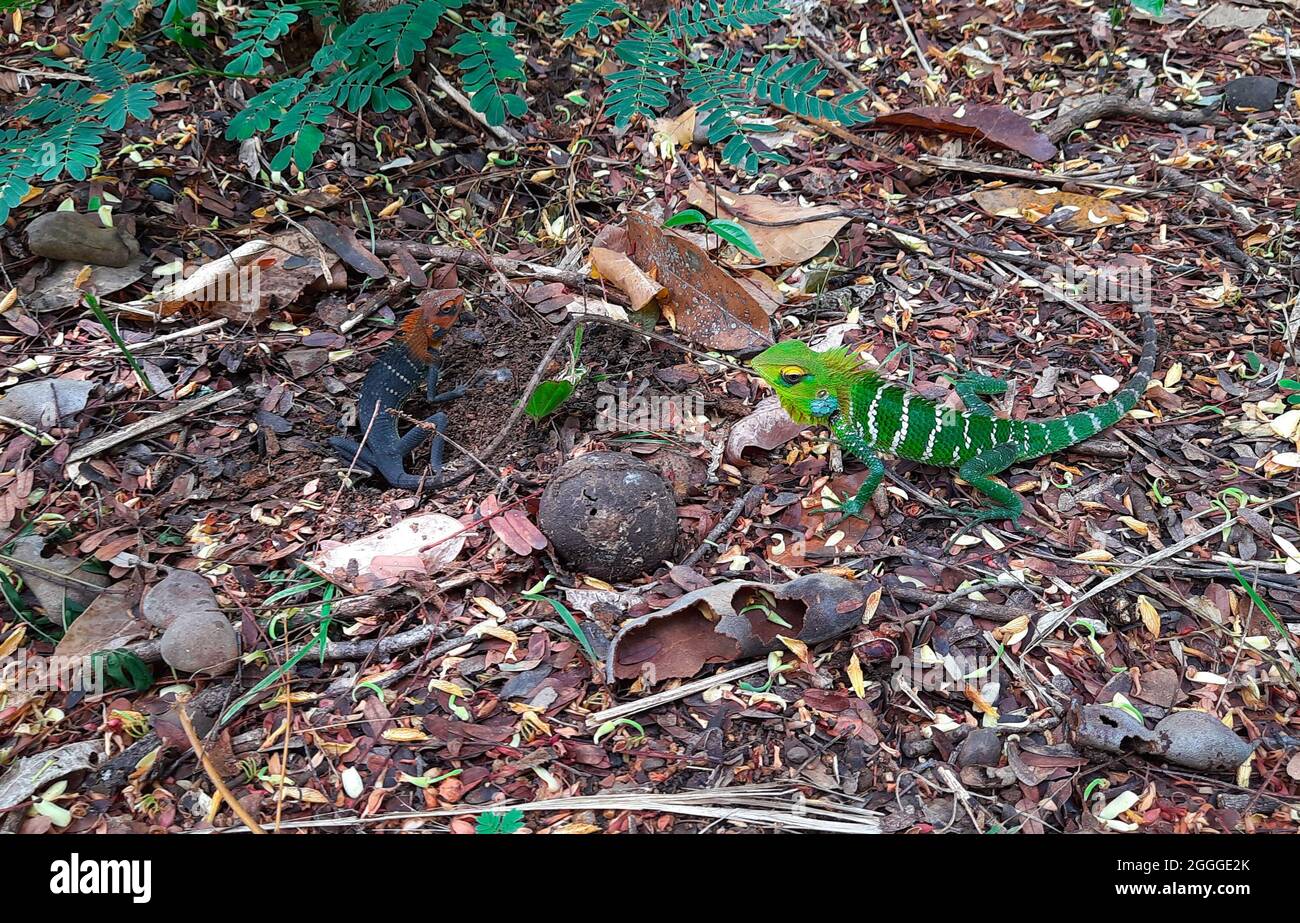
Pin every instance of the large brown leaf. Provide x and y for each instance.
(1033, 205)
(787, 245)
(704, 302)
(995, 124)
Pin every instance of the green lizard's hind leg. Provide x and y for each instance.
(978, 473)
(972, 387)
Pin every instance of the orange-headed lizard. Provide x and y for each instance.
(412, 356)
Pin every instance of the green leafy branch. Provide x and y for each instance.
(729, 95)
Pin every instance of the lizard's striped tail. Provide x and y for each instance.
(1053, 435)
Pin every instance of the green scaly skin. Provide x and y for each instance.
(870, 416)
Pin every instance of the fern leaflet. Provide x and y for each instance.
(698, 19)
(253, 38)
(487, 63)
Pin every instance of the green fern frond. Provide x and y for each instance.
(793, 86)
(255, 35)
(487, 64)
(265, 108)
(724, 102)
(16, 168)
(116, 70)
(113, 18)
(591, 16)
(698, 19)
(56, 103)
(134, 101)
(645, 87)
(412, 27)
(71, 146)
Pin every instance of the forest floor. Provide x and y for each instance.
(1010, 680)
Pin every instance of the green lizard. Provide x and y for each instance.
(869, 415)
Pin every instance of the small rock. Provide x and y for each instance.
(609, 515)
(80, 238)
(1250, 94)
(1198, 740)
(795, 752)
(181, 591)
(982, 747)
(200, 642)
(160, 191)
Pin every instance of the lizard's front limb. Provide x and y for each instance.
(499, 376)
(875, 474)
(972, 388)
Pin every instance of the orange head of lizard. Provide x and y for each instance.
(426, 326)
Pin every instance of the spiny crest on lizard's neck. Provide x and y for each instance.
(811, 386)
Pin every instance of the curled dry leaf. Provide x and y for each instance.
(40, 770)
(47, 402)
(705, 303)
(255, 279)
(995, 124)
(1194, 739)
(107, 624)
(768, 427)
(627, 275)
(1086, 212)
(732, 620)
(784, 245)
(423, 544)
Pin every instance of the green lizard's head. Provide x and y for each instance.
(811, 386)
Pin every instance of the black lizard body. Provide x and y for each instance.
(413, 357)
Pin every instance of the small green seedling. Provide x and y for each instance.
(730, 231)
(549, 395)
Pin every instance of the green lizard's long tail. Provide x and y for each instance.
(1048, 436)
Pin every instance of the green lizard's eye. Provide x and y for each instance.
(792, 375)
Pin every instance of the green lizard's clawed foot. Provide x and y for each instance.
(841, 512)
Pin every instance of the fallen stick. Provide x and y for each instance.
(1053, 620)
(148, 424)
(672, 695)
(1119, 104)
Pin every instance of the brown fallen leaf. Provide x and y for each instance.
(628, 276)
(422, 543)
(787, 245)
(731, 620)
(255, 279)
(107, 624)
(768, 427)
(343, 241)
(1035, 204)
(705, 303)
(513, 527)
(680, 130)
(995, 124)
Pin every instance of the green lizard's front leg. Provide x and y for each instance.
(972, 387)
(854, 506)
